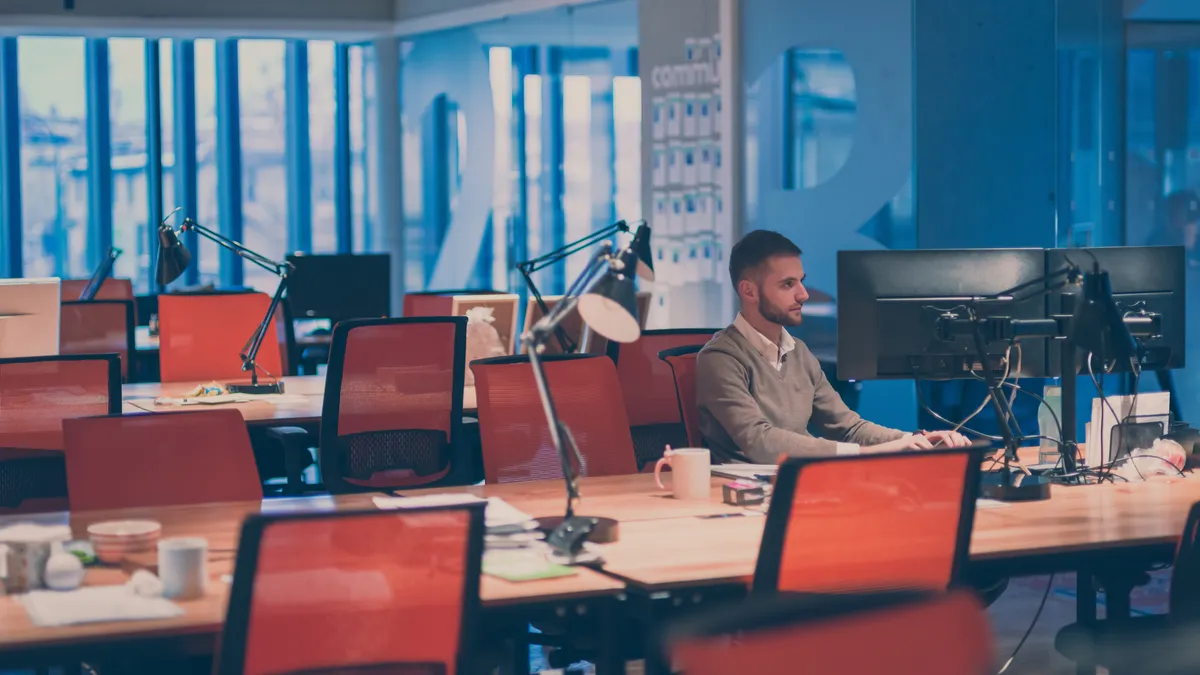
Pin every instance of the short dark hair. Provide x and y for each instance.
(756, 248)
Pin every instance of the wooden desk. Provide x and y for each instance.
(627, 498)
(306, 397)
(21, 641)
(1075, 525)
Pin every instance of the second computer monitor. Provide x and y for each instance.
(1149, 278)
(340, 287)
(889, 304)
(29, 317)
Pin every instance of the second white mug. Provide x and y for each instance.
(182, 566)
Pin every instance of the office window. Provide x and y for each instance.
(264, 168)
(363, 151)
(563, 161)
(131, 206)
(577, 165)
(207, 213)
(53, 97)
(500, 67)
(627, 147)
(167, 103)
(321, 111)
(532, 108)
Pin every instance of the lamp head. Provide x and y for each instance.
(610, 306)
(1098, 326)
(173, 256)
(645, 258)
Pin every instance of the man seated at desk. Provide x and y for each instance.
(758, 389)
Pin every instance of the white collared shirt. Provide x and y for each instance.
(774, 353)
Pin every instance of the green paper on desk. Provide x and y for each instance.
(524, 567)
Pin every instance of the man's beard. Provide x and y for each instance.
(774, 314)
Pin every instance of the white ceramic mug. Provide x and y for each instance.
(689, 472)
(182, 567)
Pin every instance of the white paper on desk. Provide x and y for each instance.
(1151, 407)
(990, 504)
(499, 513)
(92, 604)
(736, 470)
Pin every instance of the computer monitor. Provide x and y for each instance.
(1149, 278)
(889, 303)
(339, 287)
(102, 271)
(29, 317)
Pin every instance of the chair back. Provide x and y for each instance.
(354, 592)
(870, 522)
(159, 459)
(512, 423)
(202, 335)
(36, 395)
(649, 389)
(98, 327)
(392, 414)
(931, 634)
(111, 288)
(1185, 573)
(682, 364)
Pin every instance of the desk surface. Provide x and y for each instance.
(664, 543)
(220, 525)
(658, 554)
(302, 404)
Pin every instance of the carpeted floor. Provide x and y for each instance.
(1011, 614)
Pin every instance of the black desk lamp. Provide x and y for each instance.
(173, 259)
(605, 296)
(640, 246)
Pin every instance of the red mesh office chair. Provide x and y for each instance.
(1148, 643)
(354, 592)
(896, 632)
(98, 327)
(870, 522)
(512, 424)
(648, 386)
(36, 395)
(392, 415)
(200, 336)
(682, 364)
(159, 459)
(111, 289)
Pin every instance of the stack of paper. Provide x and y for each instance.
(737, 470)
(500, 517)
